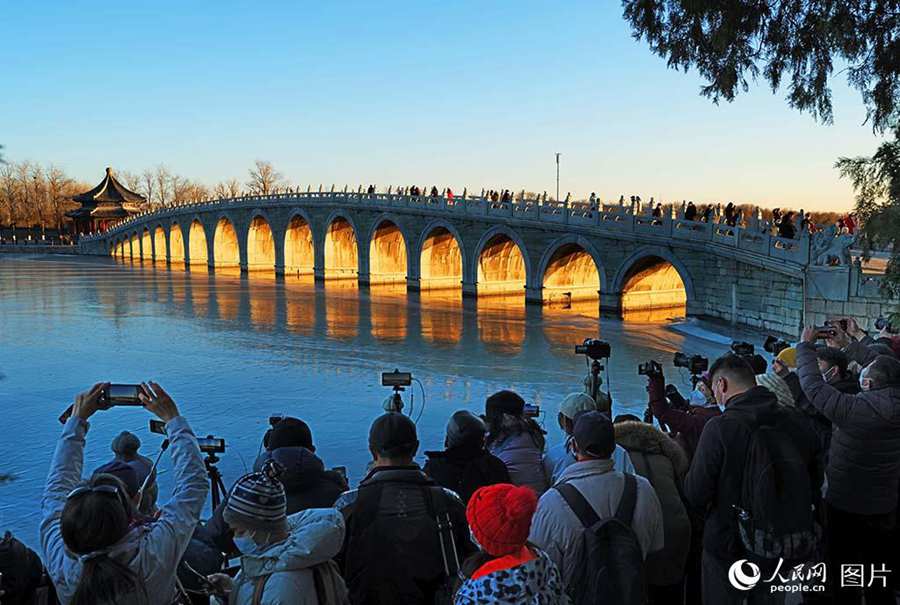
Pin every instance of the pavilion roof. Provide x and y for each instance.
(110, 190)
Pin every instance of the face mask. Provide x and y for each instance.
(247, 545)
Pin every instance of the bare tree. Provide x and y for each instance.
(227, 189)
(59, 189)
(163, 180)
(264, 179)
(148, 186)
(9, 195)
(132, 180)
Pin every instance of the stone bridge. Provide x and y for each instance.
(547, 251)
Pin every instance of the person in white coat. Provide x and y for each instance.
(283, 559)
(95, 548)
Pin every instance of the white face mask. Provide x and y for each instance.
(247, 545)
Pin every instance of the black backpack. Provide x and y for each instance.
(610, 562)
(775, 514)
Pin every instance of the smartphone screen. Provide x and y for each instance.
(124, 394)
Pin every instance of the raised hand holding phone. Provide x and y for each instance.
(158, 401)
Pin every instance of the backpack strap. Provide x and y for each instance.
(625, 510)
(258, 589)
(578, 503)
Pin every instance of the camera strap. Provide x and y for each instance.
(437, 501)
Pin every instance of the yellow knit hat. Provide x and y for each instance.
(788, 357)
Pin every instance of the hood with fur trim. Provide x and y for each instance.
(647, 438)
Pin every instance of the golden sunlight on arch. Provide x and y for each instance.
(387, 255)
(571, 275)
(159, 245)
(341, 256)
(501, 267)
(146, 245)
(198, 248)
(654, 290)
(260, 246)
(225, 245)
(440, 261)
(299, 255)
(176, 244)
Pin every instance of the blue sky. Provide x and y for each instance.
(477, 94)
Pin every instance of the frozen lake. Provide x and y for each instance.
(234, 350)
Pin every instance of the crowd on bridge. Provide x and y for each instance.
(774, 476)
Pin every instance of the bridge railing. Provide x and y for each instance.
(603, 218)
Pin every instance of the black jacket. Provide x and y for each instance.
(716, 474)
(864, 461)
(465, 469)
(306, 484)
(392, 553)
(22, 571)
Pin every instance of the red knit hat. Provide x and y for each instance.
(500, 517)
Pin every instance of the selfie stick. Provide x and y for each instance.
(162, 449)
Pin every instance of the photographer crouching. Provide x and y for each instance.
(683, 421)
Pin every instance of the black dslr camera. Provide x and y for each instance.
(775, 345)
(649, 369)
(695, 364)
(593, 348)
(744, 349)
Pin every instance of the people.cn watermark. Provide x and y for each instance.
(745, 575)
(803, 577)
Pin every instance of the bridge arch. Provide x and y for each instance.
(134, 246)
(501, 264)
(176, 243)
(653, 278)
(571, 269)
(441, 256)
(226, 249)
(389, 255)
(160, 248)
(299, 245)
(341, 246)
(197, 245)
(146, 244)
(260, 243)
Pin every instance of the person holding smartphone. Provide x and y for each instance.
(93, 551)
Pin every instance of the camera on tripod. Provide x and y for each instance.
(744, 349)
(593, 348)
(695, 364)
(775, 345)
(397, 380)
(650, 369)
(210, 446)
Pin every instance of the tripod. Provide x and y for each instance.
(215, 479)
(394, 403)
(596, 368)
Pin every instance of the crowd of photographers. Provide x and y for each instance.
(763, 469)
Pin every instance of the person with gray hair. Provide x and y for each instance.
(562, 455)
(465, 465)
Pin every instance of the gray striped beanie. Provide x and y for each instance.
(257, 500)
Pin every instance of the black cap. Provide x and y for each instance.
(290, 432)
(123, 472)
(393, 433)
(507, 402)
(594, 434)
(464, 428)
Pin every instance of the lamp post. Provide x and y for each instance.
(557, 176)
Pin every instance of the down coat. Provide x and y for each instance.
(659, 459)
(864, 462)
(317, 535)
